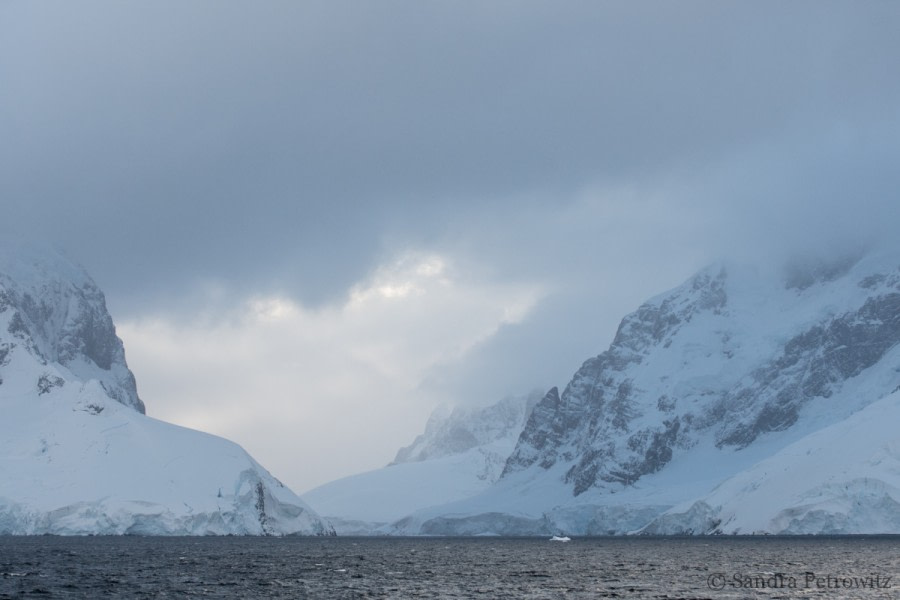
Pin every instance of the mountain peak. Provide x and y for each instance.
(51, 309)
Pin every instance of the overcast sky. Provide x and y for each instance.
(314, 221)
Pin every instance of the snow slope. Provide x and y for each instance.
(461, 453)
(77, 454)
(711, 382)
(842, 479)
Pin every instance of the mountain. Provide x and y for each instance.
(457, 431)
(462, 452)
(745, 400)
(77, 453)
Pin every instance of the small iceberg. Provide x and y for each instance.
(560, 538)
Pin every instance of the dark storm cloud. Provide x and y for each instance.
(254, 143)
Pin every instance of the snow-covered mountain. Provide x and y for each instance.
(744, 400)
(458, 430)
(77, 453)
(462, 452)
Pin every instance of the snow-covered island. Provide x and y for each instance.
(77, 453)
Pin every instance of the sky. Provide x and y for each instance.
(316, 221)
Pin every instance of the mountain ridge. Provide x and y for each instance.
(700, 384)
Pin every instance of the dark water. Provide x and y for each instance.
(717, 568)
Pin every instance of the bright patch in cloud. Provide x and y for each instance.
(314, 394)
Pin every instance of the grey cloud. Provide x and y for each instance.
(259, 143)
(600, 150)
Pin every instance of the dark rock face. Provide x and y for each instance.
(60, 317)
(810, 365)
(5, 349)
(47, 382)
(69, 322)
(260, 506)
(589, 425)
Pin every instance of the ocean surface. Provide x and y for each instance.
(250, 567)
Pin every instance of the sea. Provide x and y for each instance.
(717, 568)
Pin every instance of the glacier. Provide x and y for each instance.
(461, 453)
(79, 456)
(750, 399)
